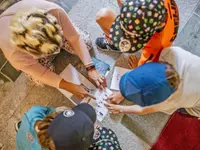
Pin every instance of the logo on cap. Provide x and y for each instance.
(125, 45)
(97, 134)
(68, 113)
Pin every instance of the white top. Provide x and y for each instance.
(188, 94)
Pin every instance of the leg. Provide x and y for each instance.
(105, 17)
(17, 126)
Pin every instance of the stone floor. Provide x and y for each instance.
(18, 97)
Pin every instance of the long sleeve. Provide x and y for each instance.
(29, 65)
(71, 35)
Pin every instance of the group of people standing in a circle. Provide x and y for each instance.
(164, 79)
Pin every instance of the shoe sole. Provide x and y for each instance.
(17, 126)
(107, 50)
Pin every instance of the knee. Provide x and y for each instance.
(104, 14)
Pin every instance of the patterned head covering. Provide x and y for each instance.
(105, 139)
(137, 22)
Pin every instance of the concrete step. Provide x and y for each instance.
(65, 4)
(128, 140)
(146, 127)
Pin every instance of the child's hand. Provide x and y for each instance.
(119, 109)
(78, 90)
(114, 109)
(97, 78)
(115, 98)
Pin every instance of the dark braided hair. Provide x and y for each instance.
(42, 126)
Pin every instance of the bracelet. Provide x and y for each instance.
(89, 64)
(90, 68)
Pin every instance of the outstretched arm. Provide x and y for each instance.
(30, 66)
(78, 45)
(136, 109)
(71, 35)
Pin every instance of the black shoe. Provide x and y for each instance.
(104, 45)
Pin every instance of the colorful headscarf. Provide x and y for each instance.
(137, 22)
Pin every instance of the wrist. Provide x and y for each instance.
(145, 110)
(90, 67)
(136, 109)
(65, 85)
(149, 109)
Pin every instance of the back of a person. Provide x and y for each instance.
(46, 128)
(187, 65)
(26, 138)
(165, 37)
(29, 136)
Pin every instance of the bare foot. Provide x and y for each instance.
(115, 98)
(133, 61)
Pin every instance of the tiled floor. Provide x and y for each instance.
(17, 98)
(190, 35)
(66, 4)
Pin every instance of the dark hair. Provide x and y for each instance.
(42, 125)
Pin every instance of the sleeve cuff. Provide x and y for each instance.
(58, 83)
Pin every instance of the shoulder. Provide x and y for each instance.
(21, 60)
(57, 12)
(169, 52)
(40, 111)
(60, 15)
(36, 113)
(177, 57)
(26, 135)
(173, 53)
(33, 114)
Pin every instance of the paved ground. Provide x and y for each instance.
(19, 97)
